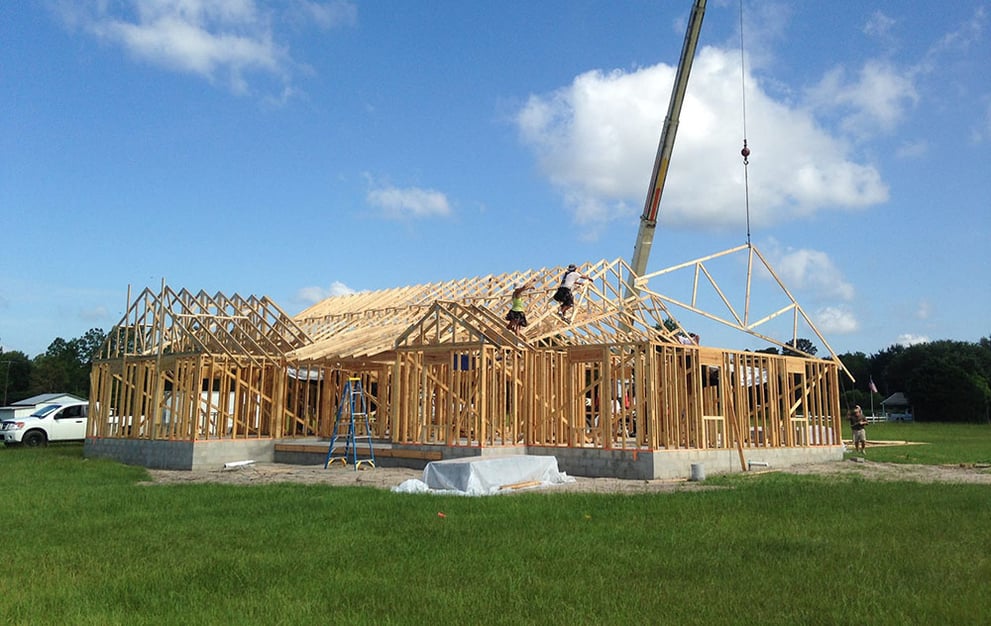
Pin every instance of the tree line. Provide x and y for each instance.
(945, 381)
(63, 368)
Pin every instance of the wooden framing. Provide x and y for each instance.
(441, 368)
(183, 366)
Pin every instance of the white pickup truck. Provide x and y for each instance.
(54, 422)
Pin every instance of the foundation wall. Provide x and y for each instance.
(674, 464)
(590, 462)
(179, 455)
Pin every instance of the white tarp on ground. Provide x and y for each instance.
(478, 477)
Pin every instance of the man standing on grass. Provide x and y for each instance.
(858, 424)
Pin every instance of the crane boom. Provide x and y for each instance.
(648, 220)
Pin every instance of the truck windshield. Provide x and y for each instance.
(42, 412)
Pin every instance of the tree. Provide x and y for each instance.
(879, 369)
(89, 344)
(65, 366)
(669, 325)
(52, 369)
(15, 374)
(796, 347)
(944, 380)
(859, 366)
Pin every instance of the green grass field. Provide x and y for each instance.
(940, 443)
(87, 543)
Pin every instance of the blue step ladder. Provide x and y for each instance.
(353, 407)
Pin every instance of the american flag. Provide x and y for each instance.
(872, 386)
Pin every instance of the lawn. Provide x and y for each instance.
(88, 542)
(935, 443)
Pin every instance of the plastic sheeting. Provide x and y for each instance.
(478, 477)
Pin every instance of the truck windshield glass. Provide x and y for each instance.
(42, 412)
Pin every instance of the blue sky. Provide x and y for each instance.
(300, 149)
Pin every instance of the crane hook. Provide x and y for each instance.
(745, 152)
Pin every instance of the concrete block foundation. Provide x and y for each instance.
(590, 462)
(671, 464)
(180, 455)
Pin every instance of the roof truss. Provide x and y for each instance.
(175, 322)
(367, 325)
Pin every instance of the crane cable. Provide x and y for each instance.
(746, 151)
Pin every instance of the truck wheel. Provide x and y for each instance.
(34, 439)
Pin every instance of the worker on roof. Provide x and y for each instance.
(564, 294)
(516, 317)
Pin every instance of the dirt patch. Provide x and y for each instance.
(962, 473)
(386, 478)
(389, 477)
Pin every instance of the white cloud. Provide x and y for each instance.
(811, 270)
(924, 310)
(312, 295)
(876, 100)
(908, 339)
(879, 25)
(836, 320)
(222, 40)
(596, 140)
(962, 41)
(413, 202)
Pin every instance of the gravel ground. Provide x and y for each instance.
(390, 477)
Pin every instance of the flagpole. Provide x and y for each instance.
(872, 389)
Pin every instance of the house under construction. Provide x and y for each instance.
(191, 380)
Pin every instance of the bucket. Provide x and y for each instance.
(698, 472)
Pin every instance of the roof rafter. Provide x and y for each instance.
(366, 325)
